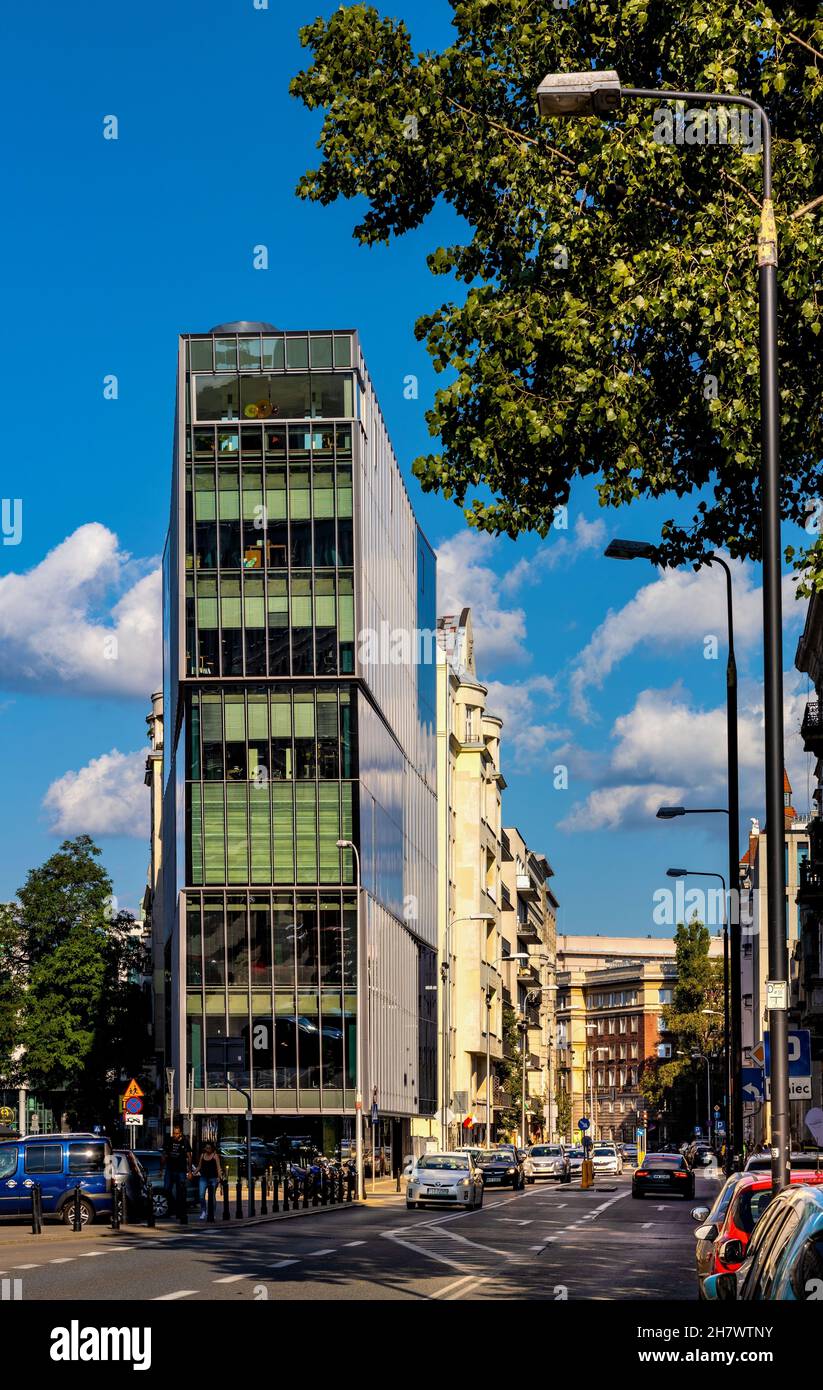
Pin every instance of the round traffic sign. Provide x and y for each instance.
(134, 1105)
(583, 1123)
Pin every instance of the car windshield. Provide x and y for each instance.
(442, 1162)
(486, 1158)
(575, 1153)
(601, 1151)
(547, 1151)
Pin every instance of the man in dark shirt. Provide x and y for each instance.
(176, 1163)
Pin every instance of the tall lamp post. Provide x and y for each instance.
(600, 94)
(633, 550)
(358, 1080)
(732, 1082)
(489, 993)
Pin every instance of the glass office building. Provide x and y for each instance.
(299, 619)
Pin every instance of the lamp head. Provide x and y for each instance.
(629, 550)
(669, 812)
(676, 873)
(579, 93)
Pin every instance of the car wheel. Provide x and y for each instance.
(86, 1213)
(531, 1182)
(410, 1206)
(479, 1202)
(160, 1202)
(637, 1195)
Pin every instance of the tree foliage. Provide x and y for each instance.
(75, 1005)
(610, 326)
(690, 1030)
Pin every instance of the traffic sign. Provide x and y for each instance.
(583, 1123)
(800, 1064)
(132, 1090)
(752, 1085)
(134, 1105)
(133, 1119)
(759, 1054)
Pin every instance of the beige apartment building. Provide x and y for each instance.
(529, 927)
(472, 947)
(610, 997)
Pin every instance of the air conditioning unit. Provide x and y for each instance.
(664, 1050)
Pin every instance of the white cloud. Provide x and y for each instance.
(678, 607)
(106, 797)
(465, 579)
(588, 535)
(620, 807)
(522, 705)
(85, 619)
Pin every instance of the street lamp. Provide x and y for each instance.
(487, 917)
(358, 1080)
(732, 1079)
(632, 550)
(582, 93)
(519, 955)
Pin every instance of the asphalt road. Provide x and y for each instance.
(548, 1243)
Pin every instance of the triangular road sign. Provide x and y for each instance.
(759, 1054)
(132, 1090)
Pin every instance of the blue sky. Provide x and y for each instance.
(115, 248)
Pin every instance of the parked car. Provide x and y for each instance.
(576, 1154)
(725, 1231)
(784, 1257)
(700, 1155)
(550, 1161)
(500, 1168)
(58, 1163)
(524, 1156)
(445, 1179)
(799, 1163)
(606, 1159)
(150, 1161)
(663, 1173)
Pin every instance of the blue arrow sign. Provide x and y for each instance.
(583, 1123)
(752, 1085)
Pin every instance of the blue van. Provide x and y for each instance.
(58, 1162)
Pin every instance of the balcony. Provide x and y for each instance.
(526, 888)
(811, 729)
(811, 885)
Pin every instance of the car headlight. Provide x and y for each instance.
(466, 1182)
(510, 1171)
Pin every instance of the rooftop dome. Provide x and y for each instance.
(242, 326)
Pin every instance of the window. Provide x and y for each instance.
(8, 1161)
(664, 996)
(44, 1158)
(87, 1158)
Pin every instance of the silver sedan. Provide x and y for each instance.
(445, 1179)
(549, 1161)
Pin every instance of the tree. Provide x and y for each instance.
(609, 328)
(563, 1104)
(80, 1012)
(699, 986)
(10, 991)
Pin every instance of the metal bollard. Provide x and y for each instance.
(275, 1192)
(315, 1184)
(210, 1202)
(264, 1194)
(306, 1185)
(340, 1195)
(77, 1224)
(115, 1206)
(238, 1201)
(295, 1192)
(226, 1208)
(324, 1188)
(252, 1209)
(36, 1210)
(149, 1204)
(350, 1186)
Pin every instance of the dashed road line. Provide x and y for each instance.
(179, 1293)
(449, 1288)
(231, 1278)
(281, 1264)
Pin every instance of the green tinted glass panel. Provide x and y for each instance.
(260, 832)
(249, 349)
(321, 352)
(303, 715)
(346, 608)
(212, 719)
(228, 481)
(306, 832)
(204, 504)
(280, 716)
(273, 354)
(299, 496)
(196, 834)
(278, 603)
(326, 714)
(252, 494)
(254, 604)
(324, 614)
(342, 352)
(323, 492)
(200, 356)
(207, 612)
(276, 493)
(329, 825)
(283, 826)
(297, 352)
(237, 833)
(344, 492)
(258, 717)
(214, 833)
(235, 719)
(301, 603)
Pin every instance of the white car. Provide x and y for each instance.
(550, 1161)
(606, 1159)
(575, 1156)
(446, 1179)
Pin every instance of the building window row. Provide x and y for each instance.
(227, 396)
(269, 352)
(275, 733)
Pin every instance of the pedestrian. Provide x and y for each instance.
(209, 1171)
(176, 1165)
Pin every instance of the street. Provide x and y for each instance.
(549, 1242)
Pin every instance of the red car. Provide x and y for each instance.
(725, 1231)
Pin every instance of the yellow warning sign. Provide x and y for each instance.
(132, 1090)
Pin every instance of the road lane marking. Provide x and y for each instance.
(467, 1288)
(231, 1278)
(64, 1260)
(441, 1293)
(26, 1266)
(513, 1221)
(430, 1254)
(477, 1245)
(349, 1243)
(310, 1253)
(281, 1264)
(168, 1297)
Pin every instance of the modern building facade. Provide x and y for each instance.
(809, 946)
(299, 711)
